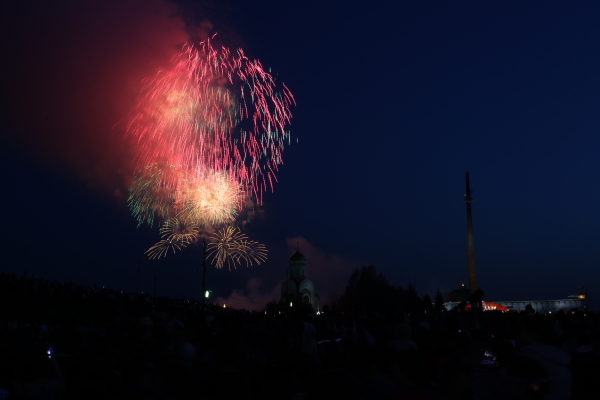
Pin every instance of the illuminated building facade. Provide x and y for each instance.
(579, 301)
(462, 294)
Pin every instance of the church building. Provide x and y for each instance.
(297, 287)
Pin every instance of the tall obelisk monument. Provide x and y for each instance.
(470, 243)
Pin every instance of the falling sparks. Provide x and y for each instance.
(229, 244)
(161, 249)
(224, 244)
(250, 252)
(209, 134)
(179, 230)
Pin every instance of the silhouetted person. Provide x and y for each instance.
(476, 300)
(535, 344)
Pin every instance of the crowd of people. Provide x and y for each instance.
(68, 341)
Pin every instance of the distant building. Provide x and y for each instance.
(462, 294)
(544, 306)
(297, 287)
(579, 301)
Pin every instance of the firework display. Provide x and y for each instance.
(161, 249)
(179, 230)
(209, 135)
(151, 195)
(250, 252)
(210, 199)
(229, 244)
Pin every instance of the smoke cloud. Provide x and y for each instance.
(76, 71)
(254, 297)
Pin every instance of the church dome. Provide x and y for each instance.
(297, 256)
(458, 295)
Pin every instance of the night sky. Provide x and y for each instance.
(394, 103)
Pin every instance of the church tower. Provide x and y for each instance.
(297, 268)
(297, 287)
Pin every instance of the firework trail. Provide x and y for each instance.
(176, 234)
(179, 230)
(210, 134)
(224, 244)
(151, 195)
(229, 244)
(161, 249)
(250, 252)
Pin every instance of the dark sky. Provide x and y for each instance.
(395, 101)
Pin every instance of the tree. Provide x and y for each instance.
(413, 302)
(273, 307)
(438, 306)
(427, 303)
(369, 292)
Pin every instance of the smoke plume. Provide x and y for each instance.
(76, 70)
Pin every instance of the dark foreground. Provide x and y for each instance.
(113, 345)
